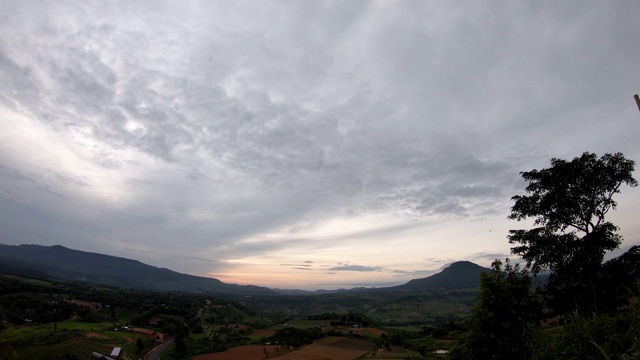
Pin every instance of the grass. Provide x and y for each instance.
(73, 337)
(26, 280)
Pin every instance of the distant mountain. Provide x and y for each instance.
(459, 275)
(63, 263)
(59, 262)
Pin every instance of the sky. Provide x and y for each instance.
(303, 144)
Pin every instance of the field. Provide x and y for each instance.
(317, 351)
(331, 347)
(73, 337)
(247, 352)
(335, 348)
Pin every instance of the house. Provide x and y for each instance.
(88, 305)
(115, 352)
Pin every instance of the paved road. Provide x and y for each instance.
(155, 353)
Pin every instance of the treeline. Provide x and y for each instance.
(39, 302)
(349, 319)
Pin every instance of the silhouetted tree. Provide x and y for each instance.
(620, 280)
(568, 203)
(499, 324)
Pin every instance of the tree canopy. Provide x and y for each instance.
(568, 203)
(499, 324)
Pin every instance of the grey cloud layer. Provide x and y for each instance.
(261, 119)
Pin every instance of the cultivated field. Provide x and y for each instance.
(335, 348)
(338, 349)
(248, 352)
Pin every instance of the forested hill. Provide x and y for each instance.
(459, 275)
(59, 262)
(63, 263)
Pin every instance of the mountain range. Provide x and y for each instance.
(61, 263)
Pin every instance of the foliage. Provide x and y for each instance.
(296, 337)
(568, 203)
(595, 337)
(619, 278)
(499, 325)
(349, 318)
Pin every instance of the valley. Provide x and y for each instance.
(48, 313)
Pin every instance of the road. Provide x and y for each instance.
(155, 353)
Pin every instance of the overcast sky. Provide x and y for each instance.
(303, 144)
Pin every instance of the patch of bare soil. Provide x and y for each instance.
(317, 351)
(346, 343)
(96, 335)
(150, 334)
(248, 352)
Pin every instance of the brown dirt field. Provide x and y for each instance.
(128, 339)
(248, 352)
(141, 331)
(317, 351)
(346, 343)
(263, 332)
(96, 335)
(369, 330)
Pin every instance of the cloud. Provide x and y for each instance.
(301, 268)
(304, 131)
(358, 268)
(488, 256)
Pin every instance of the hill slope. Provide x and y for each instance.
(63, 263)
(459, 275)
(68, 264)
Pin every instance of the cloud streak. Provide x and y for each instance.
(358, 268)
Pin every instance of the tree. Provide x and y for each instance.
(499, 324)
(621, 281)
(568, 203)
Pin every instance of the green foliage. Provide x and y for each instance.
(349, 318)
(229, 313)
(296, 337)
(596, 337)
(619, 280)
(412, 340)
(568, 203)
(499, 325)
